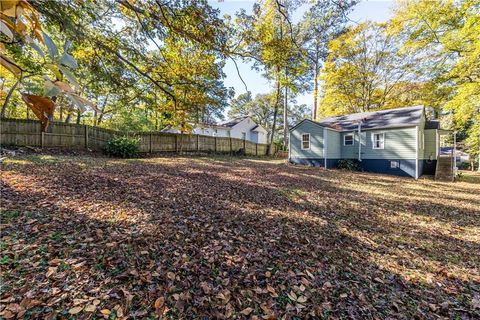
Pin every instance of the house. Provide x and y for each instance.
(460, 156)
(396, 141)
(244, 128)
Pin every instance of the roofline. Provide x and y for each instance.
(314, 122)
(362, 129)
(212, 126)
(259, 125)
(383, 110)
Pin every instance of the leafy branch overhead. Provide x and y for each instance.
(55, 68)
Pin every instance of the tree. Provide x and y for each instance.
(324, 21)
(266, 37)
(446, 35)
(21, 36)
(261, 111)
(161, 63)
(365, 71)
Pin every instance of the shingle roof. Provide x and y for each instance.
(231, 123)
(401, 117)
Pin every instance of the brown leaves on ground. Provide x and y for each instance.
(212, 237)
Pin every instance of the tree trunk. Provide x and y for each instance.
(315, 92)
(7, 98)
(69, 117)
(79, 116)
(478, 164)
(275, 113)
(285, 115)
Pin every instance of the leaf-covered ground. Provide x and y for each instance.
(215, 238)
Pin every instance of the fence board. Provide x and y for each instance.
(25, 132)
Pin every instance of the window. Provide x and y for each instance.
(378, 140)
(306, 141)
(348, 140)
(395, 164)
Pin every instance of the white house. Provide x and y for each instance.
(240, 128)
(460, 156)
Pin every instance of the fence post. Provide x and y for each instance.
(176, 143)
(150, 143)
(231, 148)
(42, 139)
(245, 146)
(198, 143)
(215, 142)
(256, 149)
(86, 136)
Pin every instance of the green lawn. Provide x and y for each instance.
(220, 238)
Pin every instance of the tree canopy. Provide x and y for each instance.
(144, 65)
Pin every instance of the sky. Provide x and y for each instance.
(374, 10)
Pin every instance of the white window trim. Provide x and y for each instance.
(309, 142)
(373, 140)
(353, 140)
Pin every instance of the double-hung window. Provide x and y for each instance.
(305, 141)
(348, 140)
(378, 140)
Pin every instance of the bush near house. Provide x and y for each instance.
(348, 164)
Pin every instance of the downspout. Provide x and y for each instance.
(359, 141)
(416, 153)
(325, 134)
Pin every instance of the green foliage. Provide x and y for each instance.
(122, 147)
(365, 71)
(446, 37)
(464, 166)
(348, 164)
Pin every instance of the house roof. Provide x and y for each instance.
(391, 118)
(258, 128)
(401, 117)
(232, 122)
(448, 151)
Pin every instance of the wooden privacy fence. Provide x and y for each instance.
(22, 132)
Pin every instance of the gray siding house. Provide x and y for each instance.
(396, 141)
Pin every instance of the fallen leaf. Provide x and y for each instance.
(90, 308)
(75, 310)
(105, 312)
(246, 311)
(159, 302)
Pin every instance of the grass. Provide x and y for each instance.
(230, 238)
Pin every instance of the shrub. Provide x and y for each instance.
(464, 166)
(348, 164)
(122, 146)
